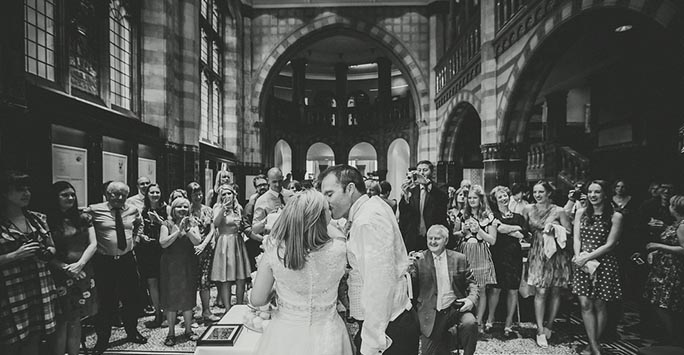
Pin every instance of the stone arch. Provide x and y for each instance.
(512, 118)
(319, 28)
(453, 122)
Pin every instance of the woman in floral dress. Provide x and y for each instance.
(204, 218)
(28, 296)
(479, 232)
(546, 272)
(74, 238)
(596, 231)
(665, 284)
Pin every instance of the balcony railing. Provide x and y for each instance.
(283, 112)
(506, 10)
(462, 55)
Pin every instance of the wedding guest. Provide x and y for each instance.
(28, 296)
(177, 193)
(447, 295)
(455, 213)
(506, 255)
(138, 200)
(223, 177)
(294, 186)
(547, 273)
(230, 265)
(372, 188)
(270, 202)
(665, 284)
(652, 218)
(204, 218)
(117, 229)
(378, 288)
(479, 233)
(518, 203)
(421, 206)
(253, 244)
(597, 230)
(179, 268)
(148, 251)
(74, 238)
(305, 257)
(385, 189)
(465, 183)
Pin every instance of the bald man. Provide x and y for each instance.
(271, 201)
(117, 227)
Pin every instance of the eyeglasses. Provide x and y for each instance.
(118, 194)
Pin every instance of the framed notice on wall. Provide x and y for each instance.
(114, 167)
(147, 167)
(70, 164)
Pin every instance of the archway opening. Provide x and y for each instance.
(398, 160)
(364, 157)
(599, 99)
(319, 156)
(283, 156)
(461, 154)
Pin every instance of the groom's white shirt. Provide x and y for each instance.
(378, 289)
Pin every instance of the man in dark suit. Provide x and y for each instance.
(422, 205)
(447, 294)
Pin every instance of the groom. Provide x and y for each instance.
(378, 288)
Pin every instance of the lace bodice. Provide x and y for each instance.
(310, 294)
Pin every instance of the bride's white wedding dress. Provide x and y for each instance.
(306, 320)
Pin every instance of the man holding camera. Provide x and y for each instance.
(446, 297)
(422, 205)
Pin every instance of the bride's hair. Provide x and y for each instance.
(301, 228)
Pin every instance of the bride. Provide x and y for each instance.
(306, 259)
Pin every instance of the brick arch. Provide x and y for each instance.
(513, 117)
(452, 124)
(325, 25)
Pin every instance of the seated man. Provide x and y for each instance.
(447, 293)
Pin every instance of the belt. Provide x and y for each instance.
(116, 257)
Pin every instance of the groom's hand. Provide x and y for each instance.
(467, 304)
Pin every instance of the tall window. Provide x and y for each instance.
(39, 38)
(119, 55)
(211, 56)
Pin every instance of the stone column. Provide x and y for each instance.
(495, 161)
(298, 161)
(517, 156)
(556, 117)
(298, 80)
(341, 70)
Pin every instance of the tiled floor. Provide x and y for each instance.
(569, 337)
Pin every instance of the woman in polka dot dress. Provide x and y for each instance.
(596, 232)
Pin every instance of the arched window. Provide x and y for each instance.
(120, 57)
(211, 57)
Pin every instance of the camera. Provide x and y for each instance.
(577, 192)
(43, 253)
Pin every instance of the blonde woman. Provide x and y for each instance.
(231, 263)
(479, 232)
(178, 267)
(223, 177)
(307, 257)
